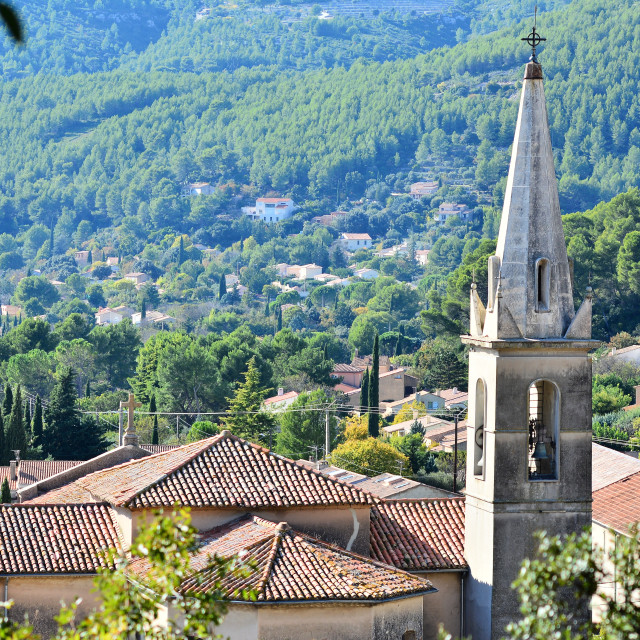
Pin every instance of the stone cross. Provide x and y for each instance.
(130, 435)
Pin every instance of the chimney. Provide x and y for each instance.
(455, 390)
(13, 471)
(355, 354)
(637, 388)
(280, 391)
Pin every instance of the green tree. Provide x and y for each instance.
(7, 402)
(374, 391)
(441, 366)
(364, 391)
(222, 286)
(303, 425)
(155, 436)
(66, 435)
(16, 435)
(36, 423)
(246, 417)
(5, 492)
(32, 370)
(35, 287)
(116, 347)
(369, 456)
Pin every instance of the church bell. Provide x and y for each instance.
(540, 452)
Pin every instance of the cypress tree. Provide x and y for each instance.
(155, 436)
(5, 492)
(364, 392)
(181, 256)
(16, 434)
(104, 258)
(7, 403)
(4, 452)
(266, 307)
(26, 421)
(87, 390)
(278, 319)
(51, 245)
(143, 309)
(374, 391)
(67, 436)
(36, 424)
(222, 286)
(399, 344)
(90, 257)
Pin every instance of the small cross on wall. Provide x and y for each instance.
(131, 405)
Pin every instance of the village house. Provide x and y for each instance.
(280, 401)
(329, 219)
(124, 311)
(271, 210)
(365, 273)
(454, 398)
(431, 401)
(452, 210)
(137, 277)
(422, 256)
(81, 258)
(106, 315)
(626, 354)
(11, 310)
(198, 189)
(113, 261)
(352, 242)
(152, 317)
(423, 189)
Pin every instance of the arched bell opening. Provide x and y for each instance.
(478, 425)
(544, 410)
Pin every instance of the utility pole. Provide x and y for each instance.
(455, 453)
(120, 425)
(327, 434)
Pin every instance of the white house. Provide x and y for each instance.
(452, 210)
(198, 189)
(108, 316)
(422, 255)
(355, 241)
(366, 274)
(628, 354)
(10, 310)
(152, 317)
(310, 271)
(137, 277)
(281, 401)
(271, 210)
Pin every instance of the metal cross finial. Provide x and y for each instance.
(534, 38)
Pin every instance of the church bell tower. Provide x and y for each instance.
(529, 424)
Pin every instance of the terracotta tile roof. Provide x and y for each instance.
(386, 485)
(55, 538)
(292, 566)
(280, 398)
(71, 493)
(618, 504)
(419, 535)
(159, 448)
(347, 389)
(454, 395)
(341, 367)
(608, 466)
(31, 471)
(223, 471)
(615, 352)
(356, 236)
(5, 472)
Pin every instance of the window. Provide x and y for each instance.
(542, 284)
(479, 433)
(543, 409)
(429, 405)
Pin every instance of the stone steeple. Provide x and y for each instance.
(531, 267)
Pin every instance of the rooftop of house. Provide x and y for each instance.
(386, 485)
(346, 388)
(274, 200)
(291, 566)
(134, 274)
(453, 396)
(616, 505)
(159, 448)
(609, 466)
(617, 352)
(197, 185)
(218, 472)
(356, 236)
(341, 367)
(419, 535)
(30, 471)
(428, 422)
(366, 361)
(45, 539)
(281, 397)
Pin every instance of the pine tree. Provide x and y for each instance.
(87, 390)
(364, 392)
(246, 418)
(7, 403)
(67, 436)
(16, 436)
(36, 424)
(181, 254)
(5, 492)
(374, 391)
(222, 286)
(155, 437)
(4, 451)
